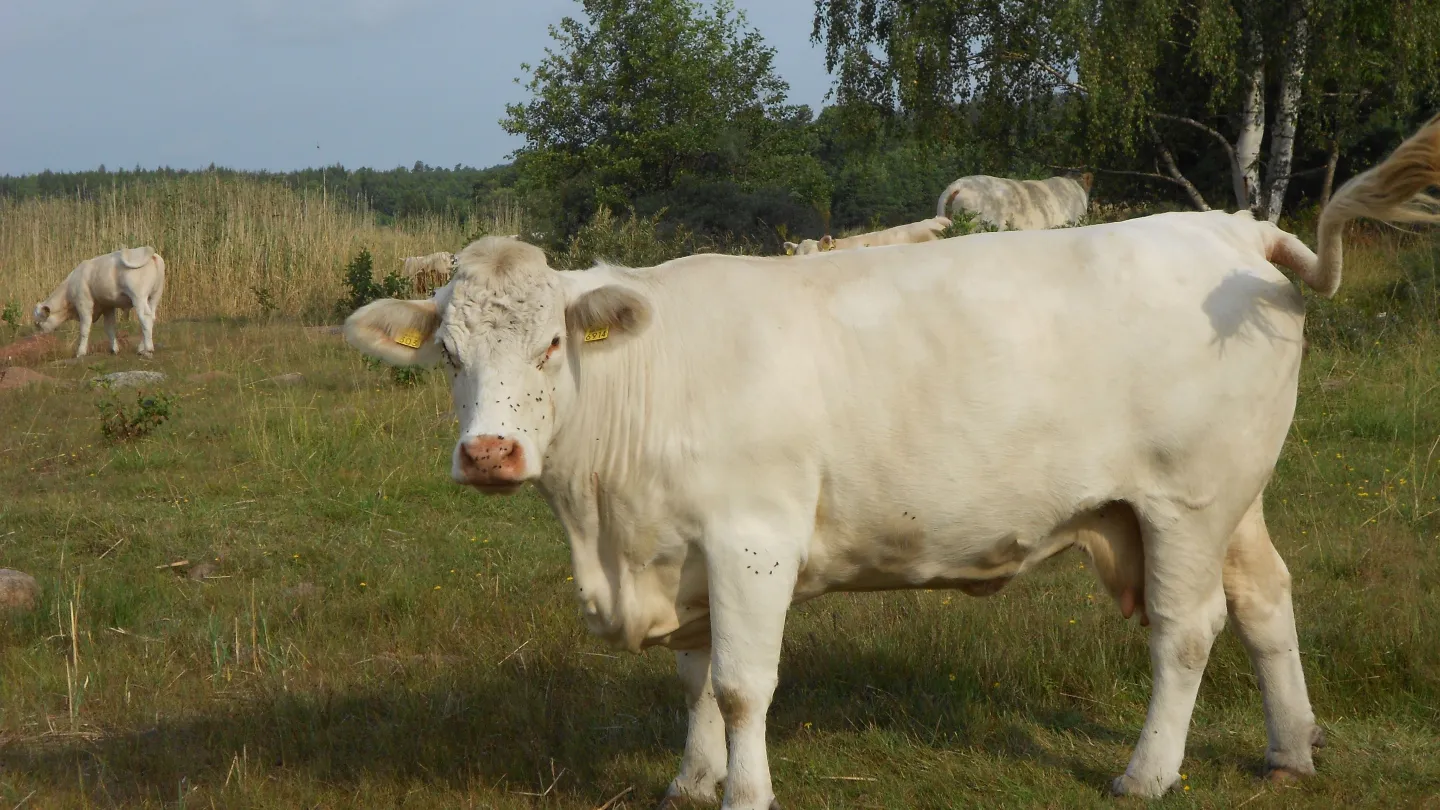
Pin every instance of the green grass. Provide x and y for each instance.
(444, 663)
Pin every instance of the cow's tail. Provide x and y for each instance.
(1397, 190)
(946, 200)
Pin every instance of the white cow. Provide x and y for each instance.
(128, 278)
(1019, 205)
(926, 230)
(723, 436)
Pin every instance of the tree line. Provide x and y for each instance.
(672, 110)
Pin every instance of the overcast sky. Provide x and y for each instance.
(259, 84)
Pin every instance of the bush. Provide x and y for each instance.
(964, 223)
(361, 287)
(634, 242)
(403, 376)
(11, 315)
(265, 300)
(119, 422)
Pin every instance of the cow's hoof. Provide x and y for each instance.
(1317, 737)
(1127, 785)
(679, 799)
(1284, 776)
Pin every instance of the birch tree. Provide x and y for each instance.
(1239, 74)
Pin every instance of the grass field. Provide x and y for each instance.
(371, 635)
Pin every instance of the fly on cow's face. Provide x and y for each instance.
(448, 354)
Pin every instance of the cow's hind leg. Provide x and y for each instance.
(1257, 592)
(703, 767)
(146, 315)
(110, 332)
(1185, 602)
(752, 570)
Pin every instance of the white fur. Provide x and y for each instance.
(1019, 205)
(926, 230)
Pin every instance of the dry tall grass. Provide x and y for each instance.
(222, 239)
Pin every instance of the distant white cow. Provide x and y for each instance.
(427, 272)
(1019, 205)
(926, 230)
(723, 436)
(128, 278)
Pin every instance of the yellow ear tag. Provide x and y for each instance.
(410, 337)
(592, 335)
(789, 251)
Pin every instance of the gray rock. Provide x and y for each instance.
(128, 379)
(18, 591)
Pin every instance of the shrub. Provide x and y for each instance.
(11, 315)
(120, 422)
(634, 242)
(403, 376)
(964, 223)
(360, 285)
(265, 300)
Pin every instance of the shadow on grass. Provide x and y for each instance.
(517, 726)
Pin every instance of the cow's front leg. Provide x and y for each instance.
(752, 580)
(85, 315)
(703, 767)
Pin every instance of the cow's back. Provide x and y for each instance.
(946, 394)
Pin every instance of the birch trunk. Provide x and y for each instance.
(1252, 114)
(1292, 78)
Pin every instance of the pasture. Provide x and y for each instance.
(366, 633)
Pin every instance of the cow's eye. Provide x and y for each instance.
(555, 342)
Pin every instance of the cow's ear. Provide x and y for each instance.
(606, 312)
(790, 248)
(400, 333)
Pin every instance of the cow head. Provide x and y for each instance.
(804, 248)
(47, 319)
(507, 329)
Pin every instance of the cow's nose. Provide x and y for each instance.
(492, 461)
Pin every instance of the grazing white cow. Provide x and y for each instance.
(723, 436)
(128, 278)
(1019, 205)
(427, 272)
(926, 230)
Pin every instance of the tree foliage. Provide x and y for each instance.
(1158, 88)
(644, 99)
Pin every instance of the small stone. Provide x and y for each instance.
(128, 379)
(18, 591)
